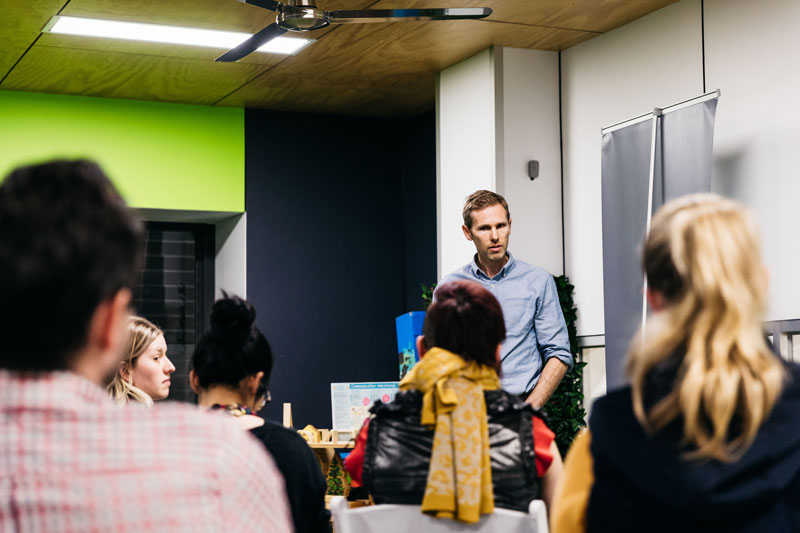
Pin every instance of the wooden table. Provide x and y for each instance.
(325, 451)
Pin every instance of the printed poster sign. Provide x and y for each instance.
(350, 402)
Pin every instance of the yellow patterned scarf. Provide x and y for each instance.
(460, 476)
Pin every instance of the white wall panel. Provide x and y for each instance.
(751, 55)
(654, 61)
(230, 260)
(530, 131)
(495, 112)
(465, 138)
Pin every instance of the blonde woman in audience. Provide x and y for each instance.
(706, 436)
(145, 371)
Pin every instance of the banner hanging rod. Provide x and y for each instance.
(664, 110)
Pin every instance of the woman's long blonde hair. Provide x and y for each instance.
(141, 334)
(702, 256)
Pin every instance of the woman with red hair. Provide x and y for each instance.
(453, 441)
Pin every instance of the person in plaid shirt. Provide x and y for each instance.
(71, 460)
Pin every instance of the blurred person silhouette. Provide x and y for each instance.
(705, 438)
(70, 253)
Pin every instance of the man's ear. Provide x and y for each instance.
(107, 329)
(105, 338)
(194, 381)
(421, 346)
(498, 352)
(467, 232)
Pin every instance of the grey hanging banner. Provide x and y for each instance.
(683, 158)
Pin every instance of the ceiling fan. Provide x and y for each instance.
(302, 16)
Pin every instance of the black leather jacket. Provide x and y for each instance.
(398, 451)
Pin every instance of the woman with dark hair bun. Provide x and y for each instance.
(231, 367)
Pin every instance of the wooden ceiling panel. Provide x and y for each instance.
(121, 46)
(20, 25)
(374, 50)
(367, 69)
(116, 75)
(230, 15)
(403, 95)
(356, 62)
(584, 15)
(207, 14)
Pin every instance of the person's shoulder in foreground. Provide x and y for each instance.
(77, 461)
(758, 492)
(225, 462)
(305, 484)
(70, 255)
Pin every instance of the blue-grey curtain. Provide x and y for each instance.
(683, 158)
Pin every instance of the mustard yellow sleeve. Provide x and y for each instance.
(572, 494)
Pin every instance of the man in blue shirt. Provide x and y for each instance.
(536, 352)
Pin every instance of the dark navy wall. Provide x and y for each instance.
(336, 237)
(419, 205)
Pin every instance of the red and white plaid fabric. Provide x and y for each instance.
(70, 460)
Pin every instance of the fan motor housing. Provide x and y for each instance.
(301, 19)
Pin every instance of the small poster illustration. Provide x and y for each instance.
(350, 402)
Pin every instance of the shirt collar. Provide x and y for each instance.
(478, 273)
(49, 389)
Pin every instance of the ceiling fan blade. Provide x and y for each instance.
(252, 44)
(266, 4)
(396, 15)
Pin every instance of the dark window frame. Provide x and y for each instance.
(204, 251)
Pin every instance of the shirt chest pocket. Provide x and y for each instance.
(518, 313)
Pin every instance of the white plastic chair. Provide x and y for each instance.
(391, 518)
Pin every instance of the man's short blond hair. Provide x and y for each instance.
(480, 200)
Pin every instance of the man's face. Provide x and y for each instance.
(490, 230)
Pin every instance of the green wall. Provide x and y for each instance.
(160, 156)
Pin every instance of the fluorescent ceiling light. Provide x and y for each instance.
(136, 31)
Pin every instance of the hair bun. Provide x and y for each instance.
(232, 318)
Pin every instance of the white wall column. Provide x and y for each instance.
(230, 260)
(495, 112)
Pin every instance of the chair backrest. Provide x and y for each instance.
(391, 518)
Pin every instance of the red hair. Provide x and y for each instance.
(467, 320)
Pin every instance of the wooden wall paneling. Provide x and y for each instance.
(20, 24)
(116, 75)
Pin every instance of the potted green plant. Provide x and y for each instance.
(566, 415)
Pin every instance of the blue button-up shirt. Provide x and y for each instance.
(535, 327)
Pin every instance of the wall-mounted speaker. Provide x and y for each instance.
(533, 169)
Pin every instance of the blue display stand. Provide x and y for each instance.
(409, 327)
